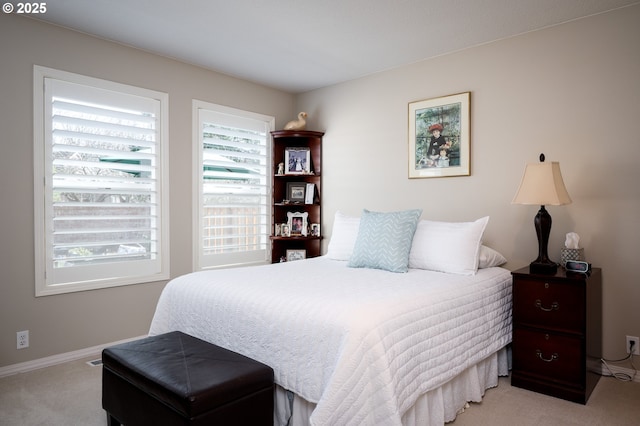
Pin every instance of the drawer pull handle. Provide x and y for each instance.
(554, 306)
(554, 356)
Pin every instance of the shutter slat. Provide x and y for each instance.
(61, 135)
(104, 165)
(210, 130)
(63, 122)
(108, 154)
(103, 112)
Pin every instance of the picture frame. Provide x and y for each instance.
(297, 161)
(296, 192)
(439, 139)
(285, 230)
(295, 254)
(314, 229)
(298, 223)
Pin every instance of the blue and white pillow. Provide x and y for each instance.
(384, 240)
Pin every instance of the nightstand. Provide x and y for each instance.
(557, 332)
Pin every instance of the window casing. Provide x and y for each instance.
(232, 175)
(101, 192)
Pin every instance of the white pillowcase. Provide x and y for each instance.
(345, 233)
(452, 247)
(489, 258)
(343, 236)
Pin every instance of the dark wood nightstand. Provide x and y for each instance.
(557, 333)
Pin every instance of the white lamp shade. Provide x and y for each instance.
(542, 185)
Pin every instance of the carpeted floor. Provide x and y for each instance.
(69, 394)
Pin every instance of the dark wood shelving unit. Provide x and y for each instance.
(283, 139)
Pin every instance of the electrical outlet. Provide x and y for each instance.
(636, 344)
(22, 339)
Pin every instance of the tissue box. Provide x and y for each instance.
(567, 254)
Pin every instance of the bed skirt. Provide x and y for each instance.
(434, 408)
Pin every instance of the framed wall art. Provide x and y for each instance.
(439, 142)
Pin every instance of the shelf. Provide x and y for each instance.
(295, 238)
(297, 134)
(296, 205)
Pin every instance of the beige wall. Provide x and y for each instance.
(571, 91)
(69, 322)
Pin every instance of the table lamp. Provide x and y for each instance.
(542, 185)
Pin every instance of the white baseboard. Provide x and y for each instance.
(620, 370)
(23, 367)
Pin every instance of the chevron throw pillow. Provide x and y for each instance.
(384, 240)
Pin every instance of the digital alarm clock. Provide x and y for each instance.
(577, 266)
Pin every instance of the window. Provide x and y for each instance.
(100, 183)
(232, 164)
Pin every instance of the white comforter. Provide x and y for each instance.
(362, 344)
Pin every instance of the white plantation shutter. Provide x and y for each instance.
(233, 171)
(101, 220)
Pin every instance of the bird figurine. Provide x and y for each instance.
(298, 124)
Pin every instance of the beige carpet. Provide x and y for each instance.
(69, 394)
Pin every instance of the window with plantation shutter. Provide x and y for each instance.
(233, 175)
(100, 183)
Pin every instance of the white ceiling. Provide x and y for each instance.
(300, 45)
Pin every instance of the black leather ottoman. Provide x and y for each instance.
(176, 379)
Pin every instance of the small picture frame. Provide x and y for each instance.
(314, 230)
(285, 230)
(296, 192)
(277, 229)
(297, 223)
(296, 254)
(297, 161)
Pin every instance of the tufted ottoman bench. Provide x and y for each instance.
(176, 379)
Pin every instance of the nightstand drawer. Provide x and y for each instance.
(549, 304)
(548, 355)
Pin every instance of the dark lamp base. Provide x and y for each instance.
(544, 268)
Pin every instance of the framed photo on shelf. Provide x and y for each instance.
(296, 192)
(285, 230)
(296, 255)
(315, 229)
(439, 137)
(297, 161)
(277, 230)
(297, 223)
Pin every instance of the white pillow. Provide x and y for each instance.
(343, 236)
(489, 258)
(452, 247)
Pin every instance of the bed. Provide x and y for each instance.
(356, 344)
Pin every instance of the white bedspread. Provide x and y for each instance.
(362, 344)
